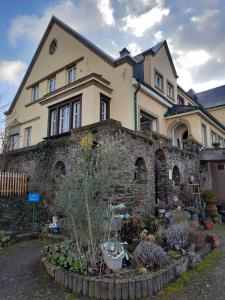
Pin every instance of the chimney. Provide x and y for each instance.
(124, 52)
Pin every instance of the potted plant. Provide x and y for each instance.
(210, 198)
(216, 144)
(208, 223)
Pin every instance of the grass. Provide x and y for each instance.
(178, 285)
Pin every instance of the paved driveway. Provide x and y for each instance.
(22, 276)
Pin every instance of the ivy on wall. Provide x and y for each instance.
(44, 154)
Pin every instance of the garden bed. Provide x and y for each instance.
(138, 286)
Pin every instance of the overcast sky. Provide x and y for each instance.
(194, 30)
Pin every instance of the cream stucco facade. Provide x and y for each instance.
(98, 75)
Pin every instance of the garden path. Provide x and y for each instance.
(208, 284)
(23, 277)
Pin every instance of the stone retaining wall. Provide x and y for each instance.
(140, 144)
(147, 285)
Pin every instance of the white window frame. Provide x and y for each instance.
(170, 90)
(158, 85)
(14, 141)
(52, 84)
(153, 124)
(76, 114)
(35, 93)
(64, 119)
(72, 78)
(104, 107)
(53, 122)
(204, 135)
(27, 136)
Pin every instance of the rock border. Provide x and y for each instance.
(121, 289)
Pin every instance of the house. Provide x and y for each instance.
(71, 84)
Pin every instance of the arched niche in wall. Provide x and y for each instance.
(59, 169)
(140, 170)
(161, 177)
(176, 176)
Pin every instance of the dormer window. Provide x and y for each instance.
(158, 81)
(52, 84)
(71, 75)
(35, 93)
(170, 90)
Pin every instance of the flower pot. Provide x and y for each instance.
(194, 223)
(113, 262)
(208, 225)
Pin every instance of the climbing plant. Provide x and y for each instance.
(43, 154)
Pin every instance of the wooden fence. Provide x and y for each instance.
(12, 183)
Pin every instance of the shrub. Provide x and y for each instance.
(198, 238)
(176, 236)
(150, 255)
(4, 239)
(209, 196)
(151, 223)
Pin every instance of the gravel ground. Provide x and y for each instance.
(23, 277)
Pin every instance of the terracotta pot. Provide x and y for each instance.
(208, 225)
(194, 223)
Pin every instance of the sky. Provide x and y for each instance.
(194, 30)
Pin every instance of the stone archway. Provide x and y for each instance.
(179, 131)
(161, 177)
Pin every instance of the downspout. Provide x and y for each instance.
(135, 107)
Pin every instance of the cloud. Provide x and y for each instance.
(138, 25)
(134, 48)
(79, 15)
(106, 11)
(158, 36)
(11, 72)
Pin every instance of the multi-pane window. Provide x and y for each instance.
(64, 119)
(158, 81)
(53, 122)
(14, 141)
(35, 93)
(147, 121)
(71, 75)
(170, 90)
(214, 137)
(52, 84)
(27, 136)
(76, 115)
(180, 100)
(204, 135)
(104, 108)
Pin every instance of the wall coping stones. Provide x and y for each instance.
(120, 289)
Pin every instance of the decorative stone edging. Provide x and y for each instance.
(121, 289)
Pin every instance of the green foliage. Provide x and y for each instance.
(86, 192)
(6, 218)
(209, 196)
(4, 239)
(174, 254)
(62, 255)
(43, 154)
(151, 223)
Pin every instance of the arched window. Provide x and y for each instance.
(140, 170)
(176, 175)
(59, 169)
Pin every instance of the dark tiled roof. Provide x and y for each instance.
(179, 109)
(213, 97)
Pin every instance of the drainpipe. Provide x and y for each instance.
(135, 107)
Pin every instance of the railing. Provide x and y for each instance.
(12, 183)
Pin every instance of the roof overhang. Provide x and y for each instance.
(199, 112)
(151, 93)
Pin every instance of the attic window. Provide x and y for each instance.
(53, 46)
